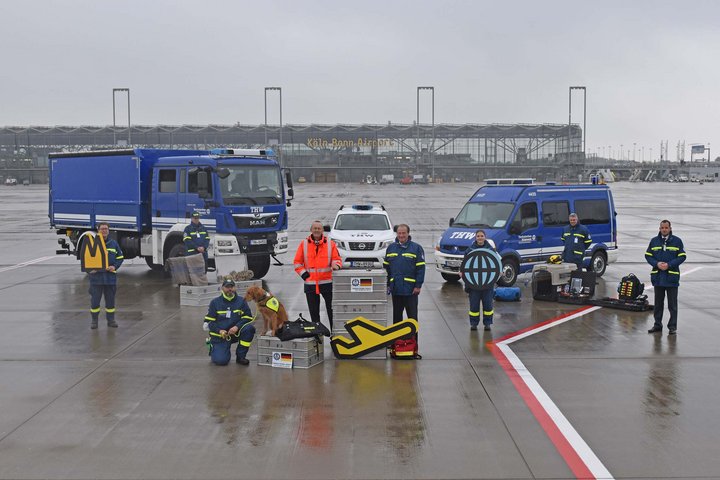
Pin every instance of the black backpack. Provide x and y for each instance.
(630, 288)
(301, 328)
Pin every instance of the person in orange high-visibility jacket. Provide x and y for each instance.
(316, 257)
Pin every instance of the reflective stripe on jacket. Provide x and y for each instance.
(317, 261)
(672, 252)
(195, 236)
(225, 313)
(405, 265)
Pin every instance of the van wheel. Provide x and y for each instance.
(449, 277)
(598, 263)
(509, 272)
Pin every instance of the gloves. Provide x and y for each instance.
(305, 276)
(206, 327)
(389, 290)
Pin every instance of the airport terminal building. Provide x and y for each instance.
(329, 153)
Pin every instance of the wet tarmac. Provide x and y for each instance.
(143, 401)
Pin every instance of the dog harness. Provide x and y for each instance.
(272, 303)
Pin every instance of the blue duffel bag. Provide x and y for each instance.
(507, 294)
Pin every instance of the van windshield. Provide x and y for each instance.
(484, 215)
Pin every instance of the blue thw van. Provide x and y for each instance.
(526, 221)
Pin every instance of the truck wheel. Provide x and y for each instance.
(449, 277)
(259, 264)
(509, 272)
(598, 263)
(178, 250)
(154, 266)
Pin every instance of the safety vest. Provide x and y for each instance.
(317, 261)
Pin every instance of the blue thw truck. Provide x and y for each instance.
(147, 196)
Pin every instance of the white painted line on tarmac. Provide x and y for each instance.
(25, 264)
(578, 455)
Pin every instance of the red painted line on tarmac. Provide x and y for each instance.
(541, 324)
(573, 460)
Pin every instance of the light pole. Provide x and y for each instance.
(432, 145)
(584, 138)
(279, 90)
(621, 152)
(634, 151)
(128, 111)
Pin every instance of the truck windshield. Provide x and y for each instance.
(251, 185)
(484, 215)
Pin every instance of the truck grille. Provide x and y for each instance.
(253, 222)
(362, 246)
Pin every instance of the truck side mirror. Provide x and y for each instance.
(450, 223)
(291, 193)
(202, 178)
(223, 172)
(288, 181)
(326, 228)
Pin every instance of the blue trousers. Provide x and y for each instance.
(486, 298)
(672, 297)
(96, 293)
(220, 349)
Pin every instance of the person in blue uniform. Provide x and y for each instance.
(576, 238)
(196, 238)
(665, 254)
(229, 321)
(405, 265)
(105, 283)
(484, 296)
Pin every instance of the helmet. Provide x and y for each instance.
(554, 259)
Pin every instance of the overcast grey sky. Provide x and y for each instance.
(650, 67)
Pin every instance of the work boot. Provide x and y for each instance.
(93, 324)
(112, 324)
(242, 361)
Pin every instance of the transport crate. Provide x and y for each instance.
(306, 352)
(200, 296)
(365, 309)
(265, 358)
(354, 286)
(303, 346)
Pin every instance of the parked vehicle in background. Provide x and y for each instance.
(526, 223)
(11, 182)
(419, 179)
(362, 233)
(147, 196)
(388, 178)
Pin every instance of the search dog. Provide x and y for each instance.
(273, 312)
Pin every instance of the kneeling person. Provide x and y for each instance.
(229, 321)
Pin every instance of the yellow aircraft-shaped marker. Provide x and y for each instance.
(368, 336)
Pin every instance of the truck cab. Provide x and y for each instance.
(526, 222)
